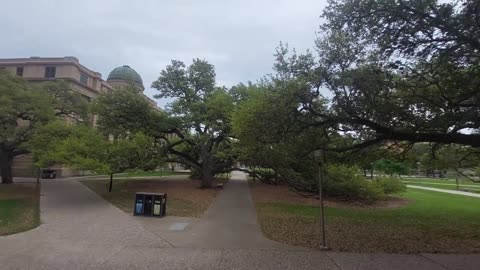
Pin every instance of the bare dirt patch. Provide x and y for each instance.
(184, 197)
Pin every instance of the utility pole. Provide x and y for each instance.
(320, 158)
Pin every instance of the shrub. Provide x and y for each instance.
(341, 182)
(347, 183)
(390, 166)
(390, 185)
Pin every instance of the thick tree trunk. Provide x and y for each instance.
(206, 167)
(207, 176)
(6, 161)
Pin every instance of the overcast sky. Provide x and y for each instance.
(238, 37)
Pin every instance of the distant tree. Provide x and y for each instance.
(391, 166)
(450, 157)
(24, 108)
(430, 164)
(365, 158)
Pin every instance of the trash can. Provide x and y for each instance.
(49, 174)
(150, 204)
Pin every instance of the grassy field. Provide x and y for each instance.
(184, 197)
(19, 211)
(432, 222)
(450, 184)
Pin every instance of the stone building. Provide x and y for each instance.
(87, 82)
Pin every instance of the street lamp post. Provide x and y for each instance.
(319, 157)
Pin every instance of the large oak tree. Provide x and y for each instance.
(394, 71)
(193, 131)
(202, 110)
(24, 108)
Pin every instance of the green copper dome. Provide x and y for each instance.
(125, 73)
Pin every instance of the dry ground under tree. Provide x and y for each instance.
(185, 198)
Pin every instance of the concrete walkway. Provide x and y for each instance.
(77, 227)
(82, 231)
(441, 184)
(457, 192)
(230, 222)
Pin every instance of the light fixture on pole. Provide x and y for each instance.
(320, 158)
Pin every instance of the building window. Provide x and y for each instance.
(50, 72)
(83, 78)
(20, 71)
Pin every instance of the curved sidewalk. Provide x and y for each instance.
(230, 222)
(457, 192)
(77, 227)
(80, 230)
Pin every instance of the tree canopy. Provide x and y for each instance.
(394, 71)
(85, 148)
(386, 75)
(195, 128)
(24, 108)
(203, 111)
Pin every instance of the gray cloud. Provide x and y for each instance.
(238, 37)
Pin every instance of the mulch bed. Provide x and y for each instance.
(185, 198)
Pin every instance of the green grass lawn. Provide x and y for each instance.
(19, 211)
(450, 184)
(432, 222)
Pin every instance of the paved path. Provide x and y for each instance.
(442, 184)
(74, 221)
(457, 192)
(230, 222)
(82, 231)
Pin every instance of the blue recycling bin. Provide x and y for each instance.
(150, 204)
